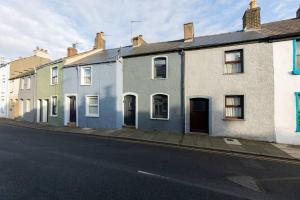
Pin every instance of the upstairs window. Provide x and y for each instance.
(234, 62)
(28, 83)
(234, 107)
(86, 76)
(296, 59)
(160, 106)
(54, 107)
(160, 67)
(92, 106)
(54, 75)
(22, 83)
(298, 53)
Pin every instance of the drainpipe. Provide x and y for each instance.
(182, 54)
(34, 95)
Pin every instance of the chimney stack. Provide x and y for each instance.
(298, 13)
(138, 41)
(99, 41)
(188, 32)
(40, 52)
(251, 18)
(72, 51)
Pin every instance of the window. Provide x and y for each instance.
(21, 109)
(22, 83)
(234, 107)
(160, 67)
(54, 75)
(160, 106)
(28, 105)
(92, 106)
(86, 76)
(296, 62)
(28, 83)
(233, 62)
(54, 107)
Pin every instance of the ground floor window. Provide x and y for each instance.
(298, 111)
(160, 106)
(234, 107)
(92, 106)
(54, 107)
(28, 105)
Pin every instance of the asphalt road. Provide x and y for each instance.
(36, 164)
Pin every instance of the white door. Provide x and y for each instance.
(45, 110)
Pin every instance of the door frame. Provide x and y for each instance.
(187, 112)
(136, 108)
(67, 108)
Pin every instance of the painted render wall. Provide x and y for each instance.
(138, 79)
(205, 78)
(45, 90)
(286, 84)
(28, 94)
(106, 83)
(4, 87)
(14, 86)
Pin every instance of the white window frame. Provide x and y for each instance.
(82, 73)
(28, 105)
(151, 107)
(51, 105)
(167, 67)
(28, 83)
(51, 73)
(87, 114)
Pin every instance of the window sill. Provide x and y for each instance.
(233, 119)
(92, 116)
(161, 119)
(159, 78)
(54, 116)
(296, 72)
(236, 73)
(85, 84)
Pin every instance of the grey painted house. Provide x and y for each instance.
(93, 91)
(152, 86)
(26, 96)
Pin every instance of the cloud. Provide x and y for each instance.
(56, 24)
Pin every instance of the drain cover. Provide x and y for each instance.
(232, 141)
(245, 181)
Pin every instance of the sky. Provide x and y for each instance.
(56, 24)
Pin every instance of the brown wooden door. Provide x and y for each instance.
(199, 115)
(129, 110)
(72, 109)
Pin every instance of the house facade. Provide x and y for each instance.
(93, 90)
(24, 93)
(49, 93)
(152, 86)
(4, 88)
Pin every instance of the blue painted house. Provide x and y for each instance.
(93, 89)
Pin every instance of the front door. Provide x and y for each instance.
(199, 117)
(73, 109)
(129, 110)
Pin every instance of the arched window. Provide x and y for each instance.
(160, 106)
(160, 67)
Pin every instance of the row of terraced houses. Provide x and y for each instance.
(243, 84)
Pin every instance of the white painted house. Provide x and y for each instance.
(4, 85)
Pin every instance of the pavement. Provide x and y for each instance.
(263, 150)
(47, 164)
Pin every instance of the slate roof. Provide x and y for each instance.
(50, 63)
(269, 31)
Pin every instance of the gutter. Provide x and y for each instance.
(182, 54)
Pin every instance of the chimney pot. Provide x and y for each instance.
(99, 41)
(252, 18)
(138, 41)
(188, 32)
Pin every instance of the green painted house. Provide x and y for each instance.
(49, 93)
